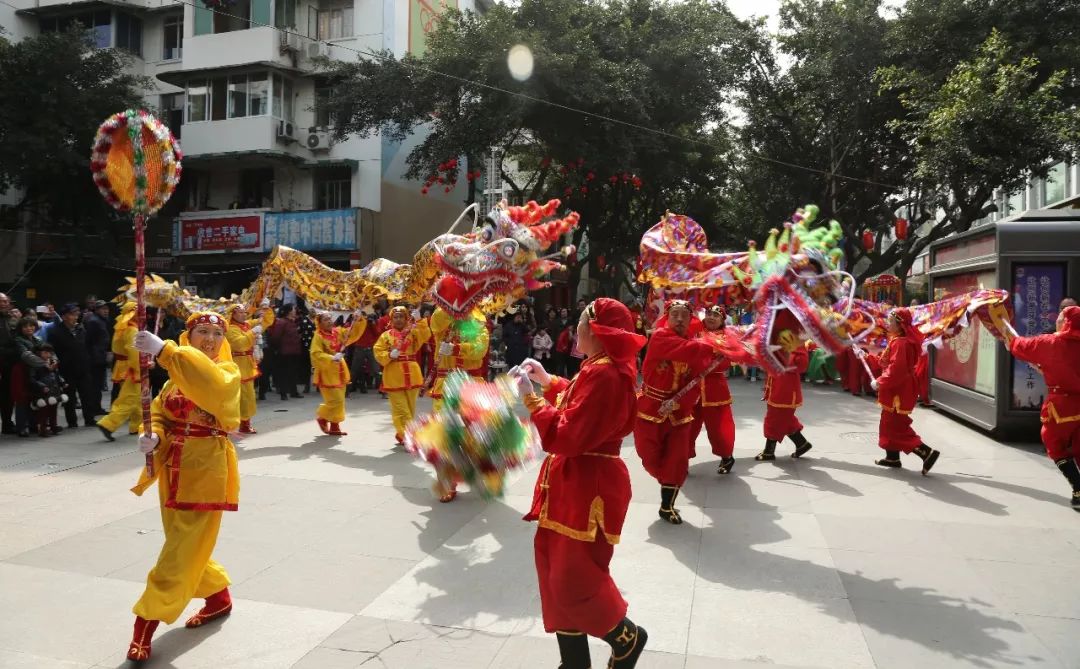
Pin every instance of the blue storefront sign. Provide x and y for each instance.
(1038, 288)
(330, 230)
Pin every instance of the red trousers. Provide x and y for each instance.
(896, 434)
(664, 450)
(719, 425)
(779, 423)
(576, 589)
(1062, 440)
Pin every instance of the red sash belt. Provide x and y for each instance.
(119, 356)
(194, 430)
(656, 393)
(241, 354)
(442, 373)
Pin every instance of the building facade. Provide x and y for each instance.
(239, 84)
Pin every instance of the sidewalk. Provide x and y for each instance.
(340, 557)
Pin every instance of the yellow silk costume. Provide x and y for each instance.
(332, 376)
(401, 377)
(127, 408)
(196, 469)
(467, 355)
(242, 342)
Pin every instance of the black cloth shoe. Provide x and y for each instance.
(801, 444)
(769, 454)
(573, 650)
(1071, 472)
(668, 512)
(726, 465)
(929, 457)
(106, 433)
(891, 459)
(627, 643)
(297, 396)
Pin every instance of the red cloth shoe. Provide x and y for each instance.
(139, 649)
(245, 427)
(335, 429)
(218, 605)
(323, 425)
(399, 439)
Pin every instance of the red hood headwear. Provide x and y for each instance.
(613, 325)
(903, 316)
(1071, 327)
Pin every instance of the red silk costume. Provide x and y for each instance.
(1058, 356)
(664, 443)
(713, 411)
(583, 490)
(783, 395)
(898, 388)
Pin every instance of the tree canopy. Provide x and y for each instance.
(55, 89)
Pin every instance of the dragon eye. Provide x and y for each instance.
(508, 250)
(487, 232)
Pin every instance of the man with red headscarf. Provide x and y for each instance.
(897, 390)
(783, 391)
(583, 490)
(663, 431)
(714, 408)
(1057, 355)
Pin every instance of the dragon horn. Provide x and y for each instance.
(810, 213)
(784, 247)
(770, 244)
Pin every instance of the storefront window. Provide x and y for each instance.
(198, 101)
(238, 96)
(1055, 184)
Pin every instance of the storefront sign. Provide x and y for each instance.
(217, 234)
(968, 360)
(1037, 290)
(966, 249)
(330, 230)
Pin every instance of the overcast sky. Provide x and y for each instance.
(748, 8)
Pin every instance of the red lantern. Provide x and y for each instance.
(868, 240)
(901, 228)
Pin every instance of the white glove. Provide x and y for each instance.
(148, 444)
(536, 372)
(338, 357)
(395, 354)
(148, 342)
(257, 330)
(873, 385)
(257, 353)
(859, 353)
(446, 348)
(416, 314)
(265, 302)
(524, 385)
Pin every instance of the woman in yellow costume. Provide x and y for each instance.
(331, 372)
(459, 344)
(127, 408)
(396, 351)
(195, 466)
(242, 336)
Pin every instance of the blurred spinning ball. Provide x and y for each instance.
(520, 62)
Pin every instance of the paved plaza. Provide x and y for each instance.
(340, 557)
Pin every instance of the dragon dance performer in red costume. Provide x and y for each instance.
(897, 391)
(783, 392)
(583, 490)
(664, 438)
(714, 409)
(1058, 356)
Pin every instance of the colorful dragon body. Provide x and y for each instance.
(796, 283)
(490, 267)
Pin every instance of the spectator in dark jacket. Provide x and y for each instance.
(517, 340)
(98, 345)
(284, 337)
(7, 361)
(307, 334)
(68, 338)
(25, 343)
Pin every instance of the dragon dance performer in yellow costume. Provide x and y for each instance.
(331, 373)
(127, 408)
(396, 350)
(242, 335)
(196, 469)
(459, 344)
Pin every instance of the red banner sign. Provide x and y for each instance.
(227, 233)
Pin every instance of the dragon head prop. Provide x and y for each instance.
(501, 259)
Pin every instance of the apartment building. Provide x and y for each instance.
(238, 83)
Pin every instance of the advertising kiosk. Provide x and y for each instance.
(1036, 256)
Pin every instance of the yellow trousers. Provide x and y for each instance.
(184, 570)
(333, 406)
(402, 407)
(126, 409)
(247, 400)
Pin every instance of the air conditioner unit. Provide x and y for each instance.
(316, 49)
(285, 131)
(318, 141)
